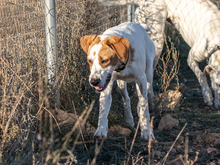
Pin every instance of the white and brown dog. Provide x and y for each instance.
(198, 21)
(123, 53)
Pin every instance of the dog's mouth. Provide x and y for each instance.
(102, 88)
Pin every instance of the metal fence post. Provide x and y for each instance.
(51, 41)
(131, 12)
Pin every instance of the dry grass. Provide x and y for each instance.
(27, 128)
(168, 68)
(29, 133)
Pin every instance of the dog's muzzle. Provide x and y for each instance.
(96, 82)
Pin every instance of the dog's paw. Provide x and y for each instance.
(145, 134)
(130, 122)
(101, 133)
(209, 102)
(208, 98)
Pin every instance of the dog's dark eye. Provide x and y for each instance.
(89, 61)
(104, 61)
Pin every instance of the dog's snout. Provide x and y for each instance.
(95, 82)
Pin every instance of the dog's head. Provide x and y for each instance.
(103, 56)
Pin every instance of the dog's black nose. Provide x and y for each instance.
(95, 82)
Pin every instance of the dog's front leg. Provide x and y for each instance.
(206, 92)
(105, 101)
(217, 98)
(216, 92)
(143, 109)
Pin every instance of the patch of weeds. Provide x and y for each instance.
(181, 123)
(214, 115)
(178, 41)
(193, 115)
(115, 118)
(94, 121)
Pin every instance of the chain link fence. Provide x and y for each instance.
(22, 30)
(74, 20)
(23, 74)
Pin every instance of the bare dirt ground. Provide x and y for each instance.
(199, 143)
(200, 136)
(203, 122)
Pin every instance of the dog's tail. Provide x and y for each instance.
(146, 27)
(118, 2)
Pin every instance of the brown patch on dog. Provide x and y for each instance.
(120, 46)
(94, 53)
(90, 63)
(107, 57)
(87, 42)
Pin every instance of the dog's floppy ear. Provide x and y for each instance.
(120, 45)
(86, 41)
(208, 70)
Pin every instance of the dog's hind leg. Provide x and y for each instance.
(149, 73)
(122, 87)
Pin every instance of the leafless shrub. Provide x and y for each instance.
(167, 70)
(169, 66)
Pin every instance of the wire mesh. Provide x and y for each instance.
(22, 31)
(74, 20)
(23, 74)
(23, 62)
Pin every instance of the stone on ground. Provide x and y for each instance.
(167, 122)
